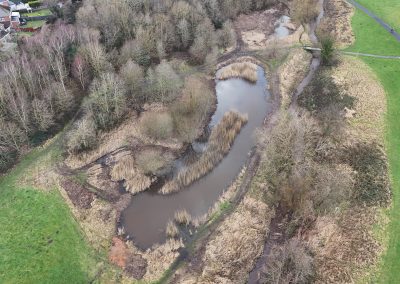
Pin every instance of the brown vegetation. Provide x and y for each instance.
(366, 116)
(80, 196)
(304, 11)
(244, 70)
(126, 169)
(291, 73)
(157, 125)
(192, 110)
(153, 161)
(289, 263)
(171, 230)
(234, 247)
(219, 143)
(332, 184)
(182, 217)
(337, 22)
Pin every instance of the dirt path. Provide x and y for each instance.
(316, 61)
(277, 236)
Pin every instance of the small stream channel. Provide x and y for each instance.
(145, 218)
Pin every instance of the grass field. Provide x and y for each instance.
(372, 38)
(389, 10)
(34, 24)
(44, 12)
(40, 242)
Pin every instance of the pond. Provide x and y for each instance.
(146, 217)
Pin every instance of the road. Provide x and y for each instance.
(387, 27)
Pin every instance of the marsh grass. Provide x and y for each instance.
(182, 217)
(171, 230)
(135, 180)
(219, 143)
(245, 70)
(152, 161)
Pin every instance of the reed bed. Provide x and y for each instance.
(134, 179)
(182, 217)
(171, 230)
(245, 70)
(219, 144)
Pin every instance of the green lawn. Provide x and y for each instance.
(40, 242)
(372, 38)
(44, 12)
(388, 10)
(34, 24)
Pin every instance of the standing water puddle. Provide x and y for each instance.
(281, 30)
(145, 218)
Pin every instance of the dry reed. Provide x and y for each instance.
(182, 217)
(135, 180)
(219, 144)
(245, 70)
(171, 230)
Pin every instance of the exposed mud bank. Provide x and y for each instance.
(268, 29)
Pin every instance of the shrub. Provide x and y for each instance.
(7, 158)
(83, 136)
(327, 50)
(323, 92)
(154, 162)
(304, 11)
(133, 76)
(372, 185)
(192, 109)
(107, 100)
(163, 83)
(157, 125)
(291, 263)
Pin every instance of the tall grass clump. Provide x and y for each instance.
(182, 217)
(219, 143)
(157, 125)
(152, 161)
(171, 230)
(134, 179)
(245, 70)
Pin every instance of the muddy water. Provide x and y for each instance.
(146, 217)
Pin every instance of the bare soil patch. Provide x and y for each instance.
(79, 195)
(120, 255)
(256, 30)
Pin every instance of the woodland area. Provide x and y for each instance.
(100, 60)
